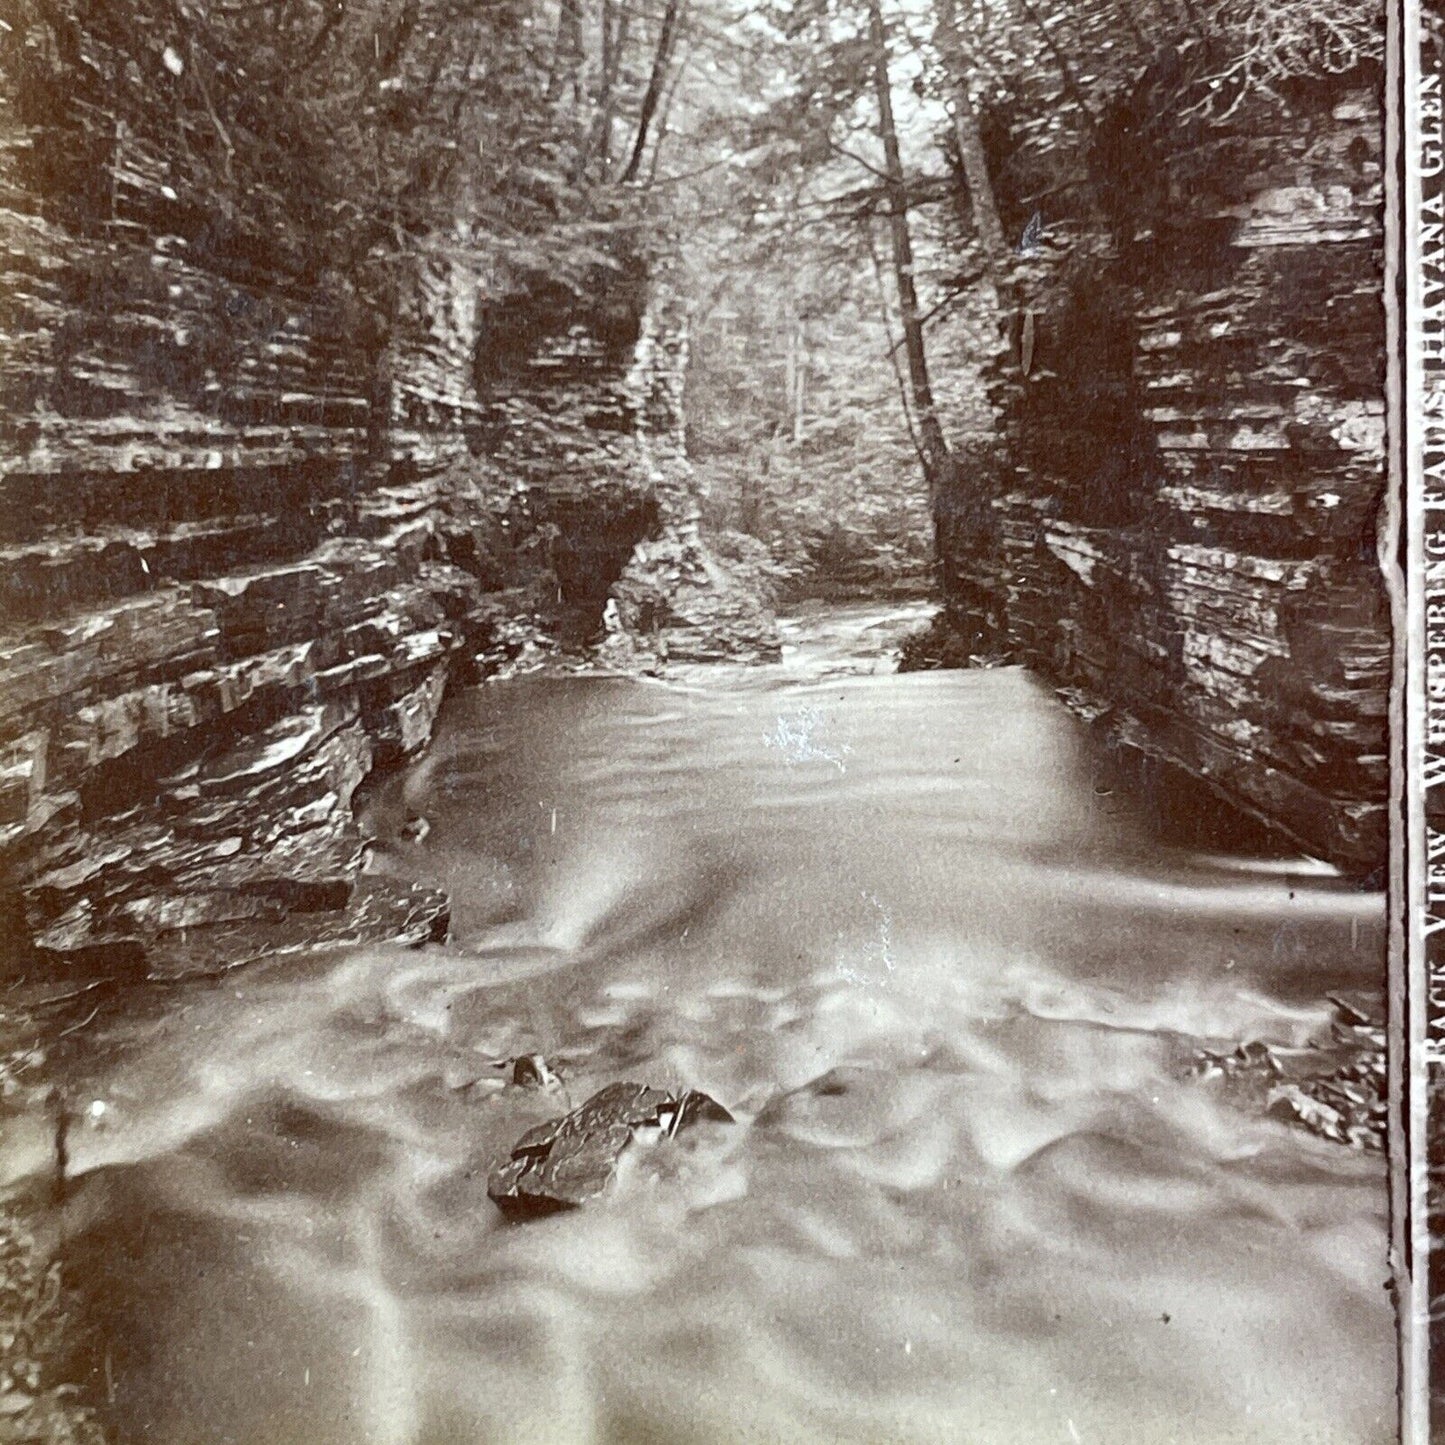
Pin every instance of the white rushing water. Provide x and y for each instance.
(941, 968)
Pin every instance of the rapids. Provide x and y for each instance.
(939, 963)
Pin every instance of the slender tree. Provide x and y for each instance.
(656, 82)
(934, 443)
(615, 19)
(970, 150)
(564, 72)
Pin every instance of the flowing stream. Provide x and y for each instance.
(942, 969)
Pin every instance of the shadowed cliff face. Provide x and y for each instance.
(593, 547)
(231, 588)
(1182, 533)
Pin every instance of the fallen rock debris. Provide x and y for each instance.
(1333, 1087)
(565, 1162)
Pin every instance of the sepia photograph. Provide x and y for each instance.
(711, 724)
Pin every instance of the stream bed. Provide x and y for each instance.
(913, 935)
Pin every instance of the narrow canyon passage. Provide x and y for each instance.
(469, 475)
(914, 935)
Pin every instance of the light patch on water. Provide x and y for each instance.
(799, 739)
(884, 946)
(877, 950)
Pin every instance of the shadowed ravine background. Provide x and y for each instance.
(912, 931)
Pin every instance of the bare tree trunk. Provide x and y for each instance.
(934, 444)
(615, 19)
(665, 113)
(800, 391)
(790, 363)
(566, 51)
(797, 370)
(661, 59)
(898, 376)
(971, 152)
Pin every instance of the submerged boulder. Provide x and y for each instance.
(567, 1161)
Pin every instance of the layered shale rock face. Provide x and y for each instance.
(609, 473)
(244, 543)
(1181, 530)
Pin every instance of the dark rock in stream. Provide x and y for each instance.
(377, 910)
(532, 1071)
(567, 1161)
(948, 642)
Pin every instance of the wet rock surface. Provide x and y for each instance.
(565, 1162)
(34, 1405)
(678, 601)
(1334, 1086)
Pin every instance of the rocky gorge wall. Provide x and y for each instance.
(243, 549)
(1180, 530)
